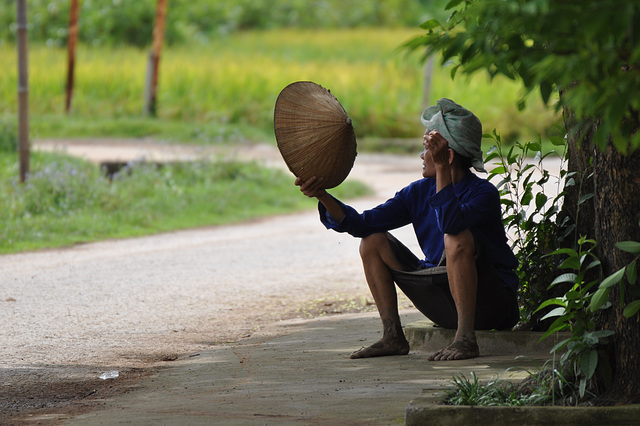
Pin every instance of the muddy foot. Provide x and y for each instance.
(463, 348)
(381, 348)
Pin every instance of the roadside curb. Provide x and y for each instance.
(428, 409)
(425, 336)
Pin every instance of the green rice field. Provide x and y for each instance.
(227, 88)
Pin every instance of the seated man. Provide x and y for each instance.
(466, 280)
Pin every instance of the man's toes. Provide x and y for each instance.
(436, 356)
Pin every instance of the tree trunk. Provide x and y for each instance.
(611, 216)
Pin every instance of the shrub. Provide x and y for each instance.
(532, 218)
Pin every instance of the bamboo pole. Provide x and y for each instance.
(23, 89)
(71, 44)
(151, 85)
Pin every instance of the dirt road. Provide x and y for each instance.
(72, 314)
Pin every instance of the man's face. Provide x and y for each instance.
(428, 166)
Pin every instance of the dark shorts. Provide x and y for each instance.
(428, 289)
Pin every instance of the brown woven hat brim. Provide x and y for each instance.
(314, 133)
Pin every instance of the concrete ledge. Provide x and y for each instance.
(427, 410)
(424, 336)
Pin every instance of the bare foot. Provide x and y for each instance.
(399, 346)
(461, 348)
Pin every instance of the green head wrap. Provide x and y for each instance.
(459, 127)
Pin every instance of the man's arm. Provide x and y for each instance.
(313, 188)
(438, 147)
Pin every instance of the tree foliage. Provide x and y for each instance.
(588, 50)
(130, 22)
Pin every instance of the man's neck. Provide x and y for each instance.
(457, 174)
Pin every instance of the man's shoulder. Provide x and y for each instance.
(480, 182)
(476, 186)
(420, 185)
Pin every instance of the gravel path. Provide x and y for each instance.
(129, 303)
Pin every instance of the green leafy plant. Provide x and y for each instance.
(581, 356)
(531, 216)
(571, 302)
(576, 311)
(600, 298)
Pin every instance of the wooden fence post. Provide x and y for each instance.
(151, 84)
(71, 44)
(23, 89)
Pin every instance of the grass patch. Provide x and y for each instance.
(206, 133)
(496, 392)
(67, 200)
(545, 387)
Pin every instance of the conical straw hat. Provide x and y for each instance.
(314, 133)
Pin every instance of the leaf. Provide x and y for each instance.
(598, 299)
(502, 183)
(498, 170)
(559, 324)
(491, 154)
(550, 302)
(612, 279)
(593, 264)
(584, 198)
(545, 91)
(557, 312)
(570, 263)
(583, 387)
(600, 334)
(559, 345)
(541, 200)
(452, 4)
(454, 70)
(631, 309)
(568, 251)
(430, 24)
(632, 247)
(589, 362)
(534, 146)
(632, 273)
(572, 295)
(569, 277)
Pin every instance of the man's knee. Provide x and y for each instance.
(372, 244)
(459, 246)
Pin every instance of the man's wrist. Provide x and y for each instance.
(324, 196)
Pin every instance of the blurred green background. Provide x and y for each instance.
(225, 62)
(222, 67)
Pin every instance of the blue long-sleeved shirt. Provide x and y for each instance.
(473, 203)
